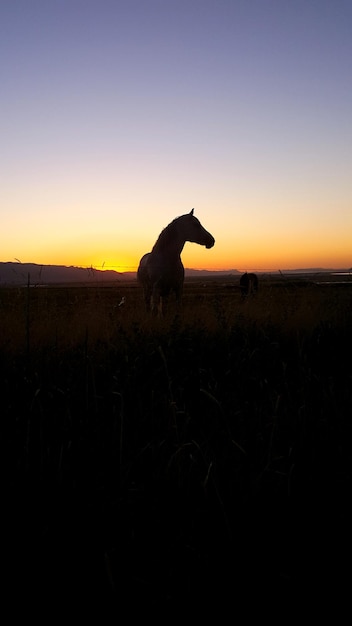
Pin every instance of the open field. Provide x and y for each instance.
(197, 459)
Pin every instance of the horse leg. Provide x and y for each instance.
(147, 299)
(163, 305)
(155, 301)
(178, 294)
(244, 291)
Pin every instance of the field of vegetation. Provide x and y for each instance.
(181, 462)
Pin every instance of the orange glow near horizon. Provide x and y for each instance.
(272, 262)
(270, 256)
(120, 245)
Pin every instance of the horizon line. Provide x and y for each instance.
(133, 269)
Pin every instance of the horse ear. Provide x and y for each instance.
(191, 213)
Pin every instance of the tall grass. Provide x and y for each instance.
(171, 461)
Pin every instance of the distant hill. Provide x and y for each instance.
(311, 270)
(204, 273)
(20, 273)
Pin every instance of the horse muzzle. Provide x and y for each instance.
(210, 244)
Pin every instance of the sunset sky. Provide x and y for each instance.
(119, 115)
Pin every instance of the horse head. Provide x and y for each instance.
(194, 231)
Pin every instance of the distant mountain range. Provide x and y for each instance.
(34, 274)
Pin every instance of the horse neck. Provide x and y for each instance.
(170, 242)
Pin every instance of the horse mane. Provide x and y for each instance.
(165, 234)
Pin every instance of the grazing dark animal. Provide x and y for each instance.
(248, 284)
(161, 271)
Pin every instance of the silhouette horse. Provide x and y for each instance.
(161, 271)
(248, 284)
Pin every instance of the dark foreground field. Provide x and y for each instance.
(179, 464)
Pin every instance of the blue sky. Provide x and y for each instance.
(119, 116)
